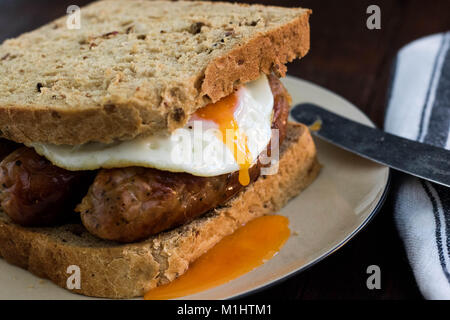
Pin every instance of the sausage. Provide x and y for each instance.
(281, 107)
(33, 192)
(130, 204)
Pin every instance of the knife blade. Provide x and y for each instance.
(412, 157)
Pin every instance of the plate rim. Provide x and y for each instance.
(364, 224)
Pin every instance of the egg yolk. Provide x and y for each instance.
(222, 113)
(244, 250)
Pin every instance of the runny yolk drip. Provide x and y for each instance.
(244, 250)
(222, 113)
(316, 126)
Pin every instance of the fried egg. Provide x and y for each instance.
(222, 137)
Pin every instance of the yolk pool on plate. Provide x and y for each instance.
(222, 113)
(244, 250)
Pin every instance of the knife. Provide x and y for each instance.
(414, 158)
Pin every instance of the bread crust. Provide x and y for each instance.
(266, 53)
(127, 114)
(114, 270)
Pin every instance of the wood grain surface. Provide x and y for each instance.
(354, 62)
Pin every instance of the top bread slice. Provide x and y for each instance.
(138, 67)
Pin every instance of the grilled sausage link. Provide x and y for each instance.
(130, 204)
(33, 192)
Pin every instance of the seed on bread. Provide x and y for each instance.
(39, 86)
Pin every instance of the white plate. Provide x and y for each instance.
(347, 193)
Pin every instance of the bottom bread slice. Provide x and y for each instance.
(114, 270)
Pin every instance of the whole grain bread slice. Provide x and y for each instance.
(138, 66)
(115, 270)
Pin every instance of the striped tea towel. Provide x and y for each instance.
(419, 109)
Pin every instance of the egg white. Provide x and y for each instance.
(196, 149)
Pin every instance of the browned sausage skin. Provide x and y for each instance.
(133, 203)
(130, 204)
(33, 192)
(281, 106)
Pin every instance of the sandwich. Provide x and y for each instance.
(133, 144)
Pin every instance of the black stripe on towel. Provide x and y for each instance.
(439, 124)
(433, 200)
(444, 196)
(437, 134)
(392, 76)
(427, 98)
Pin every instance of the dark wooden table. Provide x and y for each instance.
(354, 62)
